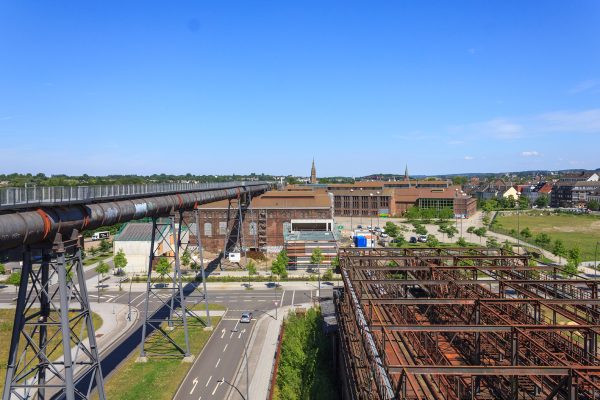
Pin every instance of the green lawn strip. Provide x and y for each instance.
(159, 378)
(91, 260)
(305, 366)
(6, 323)
(581, 231)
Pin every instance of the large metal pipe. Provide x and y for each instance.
(31, 227)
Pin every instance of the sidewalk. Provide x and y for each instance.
(262, 348)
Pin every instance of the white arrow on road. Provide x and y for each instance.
(195, 382)
(241, 333)
(222, 333)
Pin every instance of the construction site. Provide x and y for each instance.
(465, 323)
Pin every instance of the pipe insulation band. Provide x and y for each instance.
(31, 227)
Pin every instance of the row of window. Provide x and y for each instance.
(208, 231)
(361, 202)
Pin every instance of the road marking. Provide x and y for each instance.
(217, 364)
(242, 332)
(195, 382)
(222, 333)
(225, 348)
(293, 295)
(235, 328)
(216, 387)
(208, 381)
(137, 297)
(281, 302)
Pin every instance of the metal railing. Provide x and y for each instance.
(23, 197)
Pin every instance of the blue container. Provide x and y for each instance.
(360, 241)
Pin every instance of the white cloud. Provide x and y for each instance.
(530, 153)
(571, 121)
(584, 86)
(469, 158)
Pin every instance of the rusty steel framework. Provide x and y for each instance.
(456, 323)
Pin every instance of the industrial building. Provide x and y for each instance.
(478, 323)
(265, 219)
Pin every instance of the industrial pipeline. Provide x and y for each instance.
(42, 224)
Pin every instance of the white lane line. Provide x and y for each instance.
(137, 297)
(216, 387)
(195, 382)
(235, 328)
(281, 302)
(208, 381)
(217, 364)
(225, 348)
(242, 332)
(293, 295)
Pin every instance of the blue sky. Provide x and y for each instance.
(216, 87)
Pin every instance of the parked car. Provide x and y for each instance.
(422, 238)
(412, 239)
(246, 317)
(358, 226)
(384, 235)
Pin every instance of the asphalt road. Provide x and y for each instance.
(213, 372)
(223, 353)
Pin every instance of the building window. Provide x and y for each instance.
(207, 229)
(365, 202)
(222, 227)
(355, 202)
(252, 228)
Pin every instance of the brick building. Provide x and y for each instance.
(265, 219)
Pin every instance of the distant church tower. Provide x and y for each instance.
(406, 177)
(313, 173)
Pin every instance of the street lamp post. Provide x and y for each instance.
(222, 380)
(518, 230)
(596, 260)
(129, 301)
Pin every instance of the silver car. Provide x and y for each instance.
(246, 317)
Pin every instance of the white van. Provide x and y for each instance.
(101, 235)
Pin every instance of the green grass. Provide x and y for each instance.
(6, 323)
(89, 260)
(159, 378)
(573, 230)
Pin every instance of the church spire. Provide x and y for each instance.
(406, 177)
(313, 172)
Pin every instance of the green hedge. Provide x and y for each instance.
(306, 364)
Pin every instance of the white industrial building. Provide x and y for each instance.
(135, 239)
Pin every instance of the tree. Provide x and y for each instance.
(14, 279)
(279, 265)
(459, 180)
(420, 229)
(104, 245)
(120, 261)
(542, 201)
(101, 269)
(593, 205)
(94, 251)
(391, 229)
(471, 230)
(492, 242)
(251, 267)
(317, 258)
(2, 269)
(451, 231)
(186, 258)
(163, 267)
(573, 261)
(523, 202)
(559, 249)
(328, 275)
(526, 233)
(480, 232)
(507, 246)
(461, 242)
(432, 241)
(485, 220)
(542, 239)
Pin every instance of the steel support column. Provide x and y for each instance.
(157, 339)
(52, 320)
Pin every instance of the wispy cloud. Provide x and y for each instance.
(469, 158)
(532, 153)
(585, 86)
(571, 122)
(507, 128)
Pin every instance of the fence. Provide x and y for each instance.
(60, 195)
